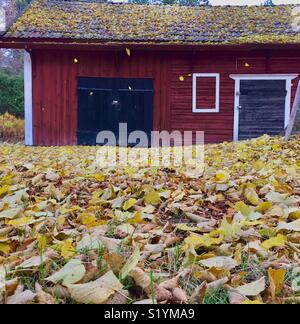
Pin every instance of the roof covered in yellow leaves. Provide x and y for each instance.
(77, 20)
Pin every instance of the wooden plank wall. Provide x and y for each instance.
(55, 86)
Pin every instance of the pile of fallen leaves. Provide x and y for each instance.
(11, 129)
(73, 232)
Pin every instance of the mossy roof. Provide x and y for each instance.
(132, 23)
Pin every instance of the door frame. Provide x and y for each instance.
(288, 86)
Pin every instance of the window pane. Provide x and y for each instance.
(206, 93)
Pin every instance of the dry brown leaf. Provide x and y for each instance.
(145, 302)
(252, 289)
(11, 286)
(115, 261)
(171, 283)
(24, 297)
(59, 291)
(198, 294)
(96, 292)
(141, 278)
(119, 298)
(161, 294)
(110, 243)
(43, 297)
(179, 296)
(235, 298)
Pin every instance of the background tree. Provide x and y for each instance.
(11, 61)
(11, 66)
(171, 2)
(194, 2)
(268, 3)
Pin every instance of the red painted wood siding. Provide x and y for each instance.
(55, 86)
(218, 127)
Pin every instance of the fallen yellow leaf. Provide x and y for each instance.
(129, 204)
(152, 198)
(21, 221)
(276, 241)
(5, 248)
(4, 190)
(67, 249)
(276, 279)
(195, 241)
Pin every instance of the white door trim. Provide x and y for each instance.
(28, 98)
(238, 77)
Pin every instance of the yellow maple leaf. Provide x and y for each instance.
(152, 198)
(276, 241)
(5, 248)
(238, 253)
(221, 176)
(251, 195)
(4, 190)
(264, 207)
(195, 241)
(294, 215)
(96, 194)
(67, 249)
(276, 279)
(6, 180)
(129, 203)
(89, 220)
(243, 208)
(186, 228)
(128, 51)
(130, 171)
(20, 221)
(137, 218)
(251, 223)
(99, 177)
(219, 272)
(64, 211)
(252, 302)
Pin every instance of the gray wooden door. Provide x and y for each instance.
(261, 108)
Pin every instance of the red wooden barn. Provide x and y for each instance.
(231, 72)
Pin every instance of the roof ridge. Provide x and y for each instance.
(121, 3)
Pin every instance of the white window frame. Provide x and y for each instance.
(238, 77)
(194, 96)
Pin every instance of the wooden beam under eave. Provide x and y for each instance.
(65, 44)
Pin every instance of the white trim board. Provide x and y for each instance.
(238, 77)
(28, 98)
(194, 95)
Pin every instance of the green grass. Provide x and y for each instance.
(252, 267)
(152, 287)
(101, 251)
(216, 296)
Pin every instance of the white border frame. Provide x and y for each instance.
(28, 98)
(194, 96)
(238, 77)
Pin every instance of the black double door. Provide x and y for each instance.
(104, 103)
